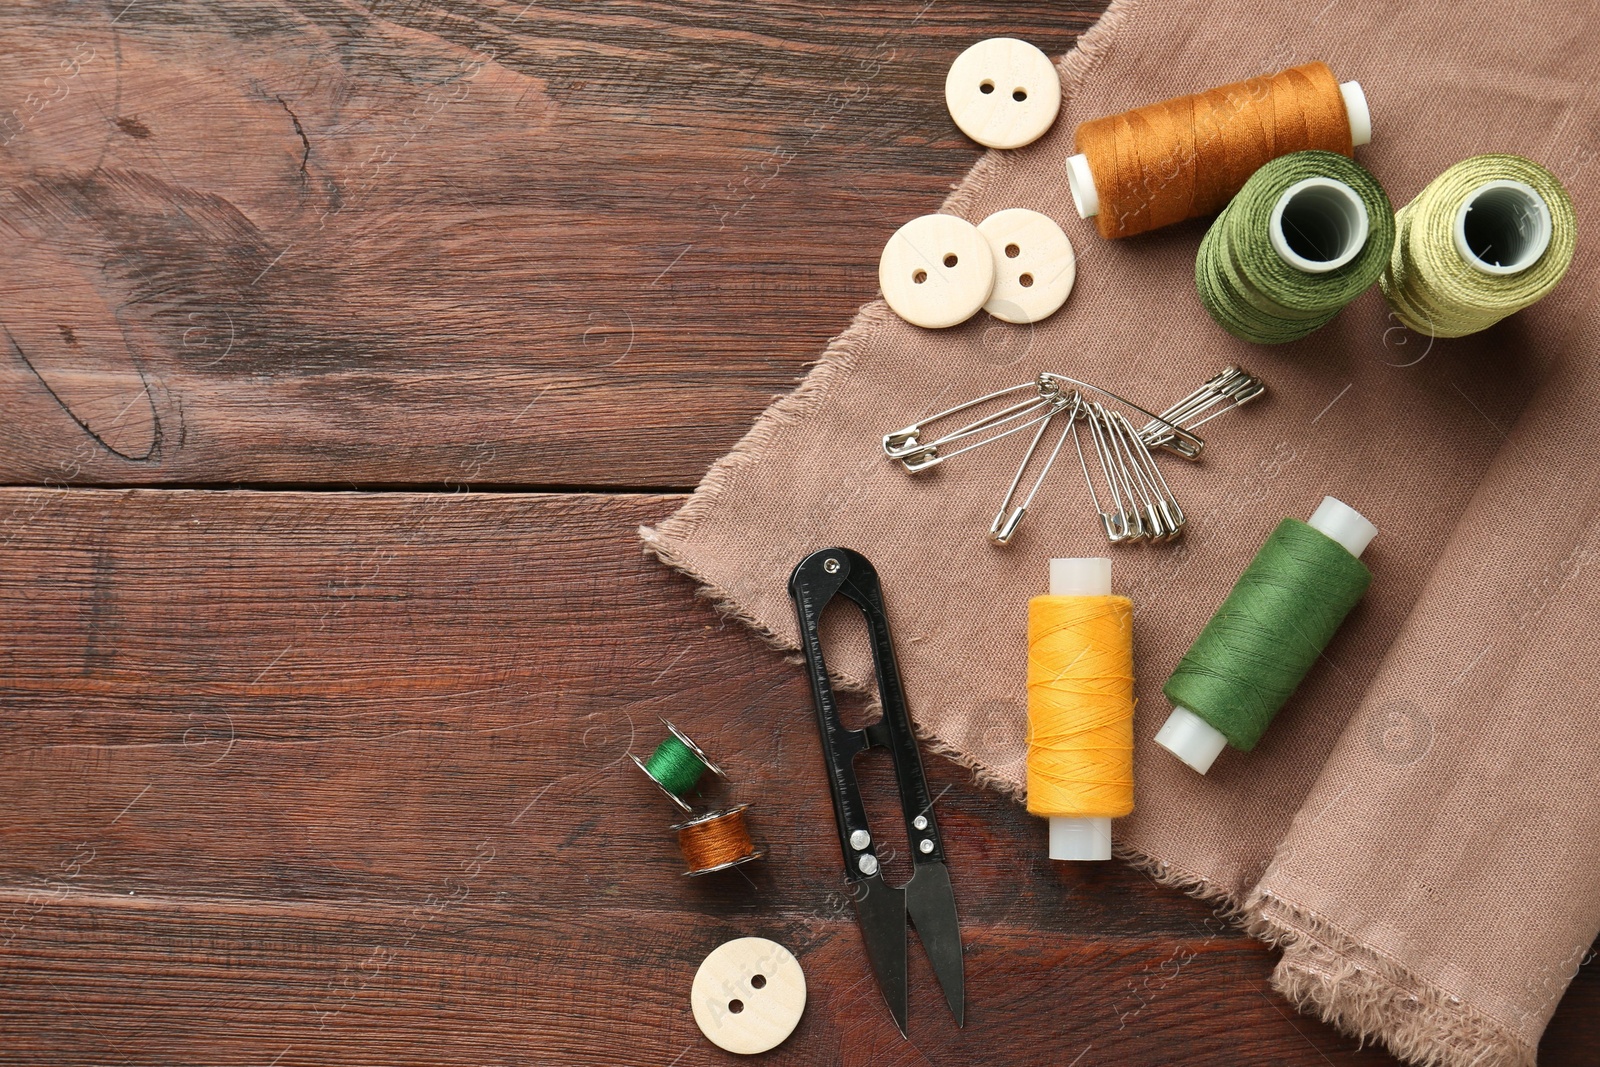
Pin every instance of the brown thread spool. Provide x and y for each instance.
(1186, 157)
(716, 841)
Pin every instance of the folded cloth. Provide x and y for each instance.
(1420, 828)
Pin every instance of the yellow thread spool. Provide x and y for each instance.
(1080, 708)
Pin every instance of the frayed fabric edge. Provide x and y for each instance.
(1330, 975)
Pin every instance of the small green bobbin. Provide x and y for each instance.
(677, 765)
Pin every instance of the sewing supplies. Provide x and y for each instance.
(927, 899)
(936, 271)
(1080, 708)
(1267, 634)
(748, 995)
(677, 765)
(716, 841)
(1139, 506)
(1490, 236)
(1186, 157)
(1034, 265)
(1307, 234)
(940, 270)
(1003, 93)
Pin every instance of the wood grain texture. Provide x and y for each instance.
(312, 242)
(340, 777)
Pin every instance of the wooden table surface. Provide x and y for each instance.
(346, 346)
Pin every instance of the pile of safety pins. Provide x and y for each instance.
(1133, 500)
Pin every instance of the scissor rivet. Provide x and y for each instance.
(920, 822)
(868, 864)
(927, 845)
(860, 839)
(831, 566)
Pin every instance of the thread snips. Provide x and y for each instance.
(927, 900)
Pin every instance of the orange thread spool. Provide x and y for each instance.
(716, 841)
(1187, 157)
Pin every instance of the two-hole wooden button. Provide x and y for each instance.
(940, 270)
(748, 995)
(1003, 93)
(1034, 265)
(936, 271)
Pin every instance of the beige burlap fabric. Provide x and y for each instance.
(1420, 830)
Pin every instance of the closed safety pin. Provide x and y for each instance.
(1006, 521)
(907, 446)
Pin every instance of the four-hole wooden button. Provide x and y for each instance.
(1034, 265)
(748, 995)
(936, 271)
(1003, 93)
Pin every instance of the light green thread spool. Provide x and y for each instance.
(1487, 238)
(1307, 234)
(677, 765)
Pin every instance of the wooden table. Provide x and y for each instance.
(346, 346)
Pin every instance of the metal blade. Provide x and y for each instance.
(882, 914)
(932, 906)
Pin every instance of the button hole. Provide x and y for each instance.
(1012, 251)
(949, 259)
(919, 276)
(758, 981)
(1019, 94)
(986, 87)
(736, 1006)
(1025, 281)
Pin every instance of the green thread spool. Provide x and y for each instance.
(1280, 615)
(677, 765)
(1488, 237)
(1307, 234)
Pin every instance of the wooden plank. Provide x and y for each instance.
(344, 772)
(448, 243)
(469, 981)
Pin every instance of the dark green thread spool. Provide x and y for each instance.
(677, 765)
(1267, 635)
(1307, 234)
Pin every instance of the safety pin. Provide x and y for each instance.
(1176, 439)
(907, 446)
(1164, 518)
(1231, 384)
(1116, 522)
(1006, 522)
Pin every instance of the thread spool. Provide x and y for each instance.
(1490, 236)
(677, 765)
(716, 841)
(1185, 157)
(1267, 634)
(1080, 708)
(1307, 234)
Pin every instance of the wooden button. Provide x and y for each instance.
(1003, 92)
(1034, 265)
(936, 271)
(748, 995)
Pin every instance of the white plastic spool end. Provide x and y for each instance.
(1318, 224)
(1360, 115)
(1344, 524)
(1088, 576)
(1080, 837)
(1080, 182)
(1503, 227)
(1192, 739)
(1086, 838)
